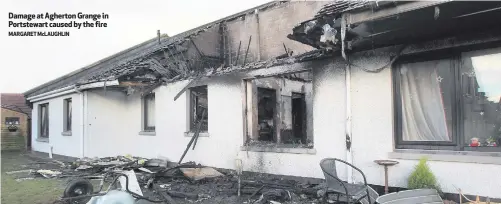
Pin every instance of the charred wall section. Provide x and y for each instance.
(268, 28)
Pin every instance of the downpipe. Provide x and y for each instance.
(82, 121)
(349, 154)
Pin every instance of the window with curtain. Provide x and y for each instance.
(149, 112)
(43, 120)
(453, 102)
(67, 114)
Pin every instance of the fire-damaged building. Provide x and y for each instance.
(286, 84)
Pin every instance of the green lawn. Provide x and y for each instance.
(36, 191)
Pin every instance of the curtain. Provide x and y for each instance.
(44, 121)
(423, 113)
(150, 114)
(68, 120)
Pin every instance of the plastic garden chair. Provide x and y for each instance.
(351, 193)
(418, 196)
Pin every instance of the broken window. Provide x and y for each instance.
(266, 113)
(149, 112)
(298, 112)
(279, 110)
(43, 120)
(199, 108)
(67, 115)
(11, 120)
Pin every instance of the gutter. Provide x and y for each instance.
(53, 93)
(70, 89)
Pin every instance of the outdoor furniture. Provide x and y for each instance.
(351, 193)
(418, 196)
(386, 164)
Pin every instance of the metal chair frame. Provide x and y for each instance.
(348, 197)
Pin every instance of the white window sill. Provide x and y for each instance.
(293, 150)
(148, 133)
(41, 139)
(448, 156)
(66, 133)
(201, 134)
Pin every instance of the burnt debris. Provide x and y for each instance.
(159, 180)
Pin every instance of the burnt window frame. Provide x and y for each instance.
(250, 108)
(40, 119)
(458, 139)
(193, 107)
(274, 136)
(67, 119)
(145, 99)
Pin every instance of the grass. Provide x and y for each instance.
(36, 191)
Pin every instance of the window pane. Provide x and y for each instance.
(199, 107)
(12, 120)
(481, 92)
(150, 111)
(266, 114)
(68, 117)
(426, 90)
(44, 121)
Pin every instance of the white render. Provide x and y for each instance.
(113, 126)
(62, 145)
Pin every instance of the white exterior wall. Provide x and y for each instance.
(372, 137)
(62, 145)
(114, 122)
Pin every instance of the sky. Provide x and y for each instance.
(488, 73)
(31, 61)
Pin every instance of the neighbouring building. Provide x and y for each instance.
(16, 122)
(286, 84)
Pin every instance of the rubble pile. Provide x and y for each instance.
(162, 180)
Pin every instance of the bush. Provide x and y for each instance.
(422, 177)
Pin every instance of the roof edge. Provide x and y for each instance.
(92, 65)
(265, 5)
(17, 111)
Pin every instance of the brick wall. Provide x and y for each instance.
(14, 140)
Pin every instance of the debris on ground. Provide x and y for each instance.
(161, 180)
(200, 173)
(48, 173)
(20, 171)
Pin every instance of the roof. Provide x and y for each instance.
(15, 102)
(388, 23)
(338, 7)
(309, 32)
(88, 73)
(103, 64)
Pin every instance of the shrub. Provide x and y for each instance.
(422, 177)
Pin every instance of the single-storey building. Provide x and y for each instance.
(286, 84)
